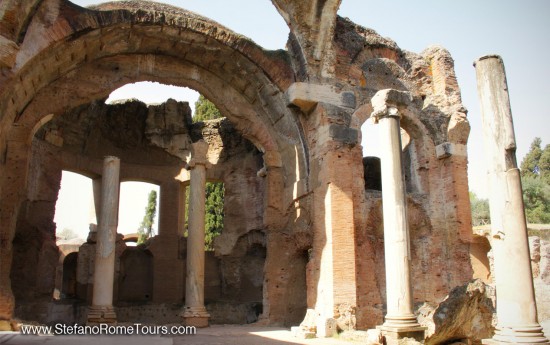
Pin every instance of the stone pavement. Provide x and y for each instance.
(214, 335)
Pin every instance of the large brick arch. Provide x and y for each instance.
(71, 56)
(213, 57)
(55, 55)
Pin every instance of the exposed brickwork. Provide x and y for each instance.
(299, 219)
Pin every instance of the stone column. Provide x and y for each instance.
(101, 310)
(516, 306)
(400, 320)
(195, 313)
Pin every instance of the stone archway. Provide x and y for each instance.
(68, 287)
(301, 108)
(121, 43)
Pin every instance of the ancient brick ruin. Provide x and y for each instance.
(304, 223)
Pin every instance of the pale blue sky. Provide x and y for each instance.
(519, 31)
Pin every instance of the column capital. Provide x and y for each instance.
(388, 103)
(111, 158)
(386, 111)
(198, 155)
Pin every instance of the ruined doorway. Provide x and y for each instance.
(135, 281)
(68, 289)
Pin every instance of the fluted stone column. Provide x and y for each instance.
(400, 320)
(516, 306)
(195, 313)
(101, 310)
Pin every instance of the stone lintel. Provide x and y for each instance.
(450, 149)
(306, 96)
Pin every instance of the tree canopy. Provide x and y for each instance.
(145, 229)
(536, 163)
(480, 210)
(535, 179)
(536, 197)
(214, 213)
(67, 234)
(205, 110)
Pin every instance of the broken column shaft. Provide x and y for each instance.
(101, 310)
(516, 306)
(195, 313)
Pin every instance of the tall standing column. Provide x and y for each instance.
(516, 306)
(101, 310)
(400, 320)
(195, 313)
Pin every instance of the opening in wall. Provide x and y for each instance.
(135, 280)
(138, 211)
(74, 209)
(153, 93)
(371, 156)
(69, 285)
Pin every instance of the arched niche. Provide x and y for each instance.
(135, 279)
(69, 285)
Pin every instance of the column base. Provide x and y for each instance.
(196, 316)
(395, 336)
(101, 314)
(397, 328)
(517, 335)
(9, 326)
(401, 323)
